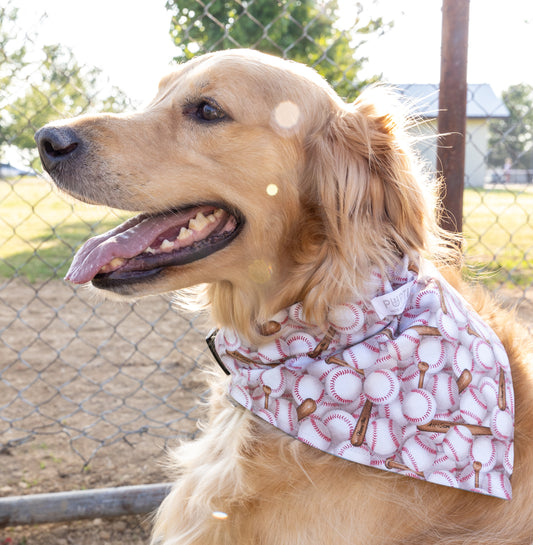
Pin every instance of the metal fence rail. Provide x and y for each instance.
(92, 384)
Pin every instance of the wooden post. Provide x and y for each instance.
(452, 110)
(82, 504)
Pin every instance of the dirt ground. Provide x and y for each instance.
(84, 405)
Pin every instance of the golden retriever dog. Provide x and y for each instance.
(261, 187)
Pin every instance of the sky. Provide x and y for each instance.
(129, 39)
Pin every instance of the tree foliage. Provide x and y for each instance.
(512, 137)
(307, 31)
(34, 91)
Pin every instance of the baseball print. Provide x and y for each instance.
(425, 392)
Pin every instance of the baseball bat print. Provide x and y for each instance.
(502, 402)
(422, 367)
(323, 344)
(477, 468)
(249, 361)
(464, 380)
(359, 433)
(306, 408)
(267, 390)
(269, 328)
(391, 463)
(443, 426)
(426, 330)
(441, 297)
(333, 360)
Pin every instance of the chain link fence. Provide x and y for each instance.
(91, 391)
(498, 196)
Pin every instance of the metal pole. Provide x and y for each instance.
(82, 504)
(452, 109)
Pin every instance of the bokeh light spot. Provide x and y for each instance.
(219, 515)
(259, 271)
(287, 114)
(272, 189)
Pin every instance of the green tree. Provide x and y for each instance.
(36, 91)
(307, 31)
(512, 137)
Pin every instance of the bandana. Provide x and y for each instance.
(413, 382)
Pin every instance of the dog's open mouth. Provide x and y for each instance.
(142, 246)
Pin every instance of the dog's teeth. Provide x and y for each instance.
(198, 223)
(184, 234)
(113, 265)
(167, 246)
(218, 213)
(211, 218)
(149, 250)
(117, 262)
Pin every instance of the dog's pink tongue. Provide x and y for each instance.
(127, 240)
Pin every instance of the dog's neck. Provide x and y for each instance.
(414, 382)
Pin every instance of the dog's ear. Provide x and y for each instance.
(368, 200)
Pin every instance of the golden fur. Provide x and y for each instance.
(350, 196)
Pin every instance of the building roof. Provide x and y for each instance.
(482, 102)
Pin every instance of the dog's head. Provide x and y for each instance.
(253, 177)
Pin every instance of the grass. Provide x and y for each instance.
(498, 229)
(40, 230)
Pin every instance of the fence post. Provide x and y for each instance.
(452, 110)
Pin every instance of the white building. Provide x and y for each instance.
(482, 105)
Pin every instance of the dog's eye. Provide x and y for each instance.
(209, 112)
(204, 110)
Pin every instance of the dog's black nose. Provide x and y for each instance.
(56, 145)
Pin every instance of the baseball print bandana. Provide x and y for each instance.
(413, 382)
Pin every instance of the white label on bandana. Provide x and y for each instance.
(394, 302)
